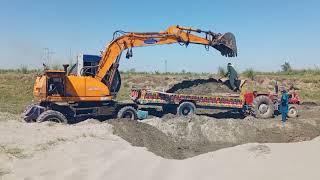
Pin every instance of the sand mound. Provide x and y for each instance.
(200, 87)
(180, 138)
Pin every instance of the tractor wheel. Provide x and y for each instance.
(293, 111)
(186, 109)
(127, 112)
(263, 107)
(52, 115)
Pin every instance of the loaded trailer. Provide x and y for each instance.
(261, 105)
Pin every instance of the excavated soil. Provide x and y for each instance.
(209, 86)
(180, 138)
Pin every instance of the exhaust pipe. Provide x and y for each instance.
(65, 68)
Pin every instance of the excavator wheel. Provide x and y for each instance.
(53, 116)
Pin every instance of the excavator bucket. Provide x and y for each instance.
(226, 44)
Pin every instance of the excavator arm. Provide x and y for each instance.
(225, 43)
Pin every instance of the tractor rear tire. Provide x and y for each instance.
(293, 111)
(263, 107)
(53, 116)
(186, 109)
(127, 112)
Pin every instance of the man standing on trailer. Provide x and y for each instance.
(233, 77)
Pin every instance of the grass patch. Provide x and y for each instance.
(51, 143)
(16, 91)
(16, 85)
(4, 172)
(12, 151)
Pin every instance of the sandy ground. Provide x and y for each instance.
(168, 148)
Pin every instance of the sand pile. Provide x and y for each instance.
(180, 138)
(209, 86)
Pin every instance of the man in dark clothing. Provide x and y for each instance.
(233, 76)
(284, 105)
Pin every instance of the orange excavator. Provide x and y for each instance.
(64, 95)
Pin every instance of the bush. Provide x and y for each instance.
(222, 72)
(23, 69)
(286, 67)
(56, 67)
(249, 73)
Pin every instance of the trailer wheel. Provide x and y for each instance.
(293, 111)
(127, 112)
(53, 116)
(186, 109)
(263, 107)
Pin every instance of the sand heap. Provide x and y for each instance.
(180, 138)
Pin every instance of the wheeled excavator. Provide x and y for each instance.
(64, 95)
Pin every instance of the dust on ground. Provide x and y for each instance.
(180, 138)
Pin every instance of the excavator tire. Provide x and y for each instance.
(26, 110)
(263, 107)
(127, 112)
(52, 115)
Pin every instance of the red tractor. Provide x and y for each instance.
(265, 105)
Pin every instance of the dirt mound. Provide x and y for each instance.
(170, 147)
(200, 87)
(180, 138)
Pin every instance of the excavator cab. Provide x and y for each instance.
(56, 83)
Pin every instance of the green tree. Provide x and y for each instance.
(286, 67)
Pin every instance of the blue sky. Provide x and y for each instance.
(268, 32)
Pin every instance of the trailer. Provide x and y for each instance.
(261, 105)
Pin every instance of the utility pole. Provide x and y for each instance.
(70, 57)
(165, 66)
(48, 55)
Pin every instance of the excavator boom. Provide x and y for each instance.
(225, 43)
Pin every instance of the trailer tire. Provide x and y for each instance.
(263, 107)
(52, 115)
(293, 111)
(127, 112)
(186, 109)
